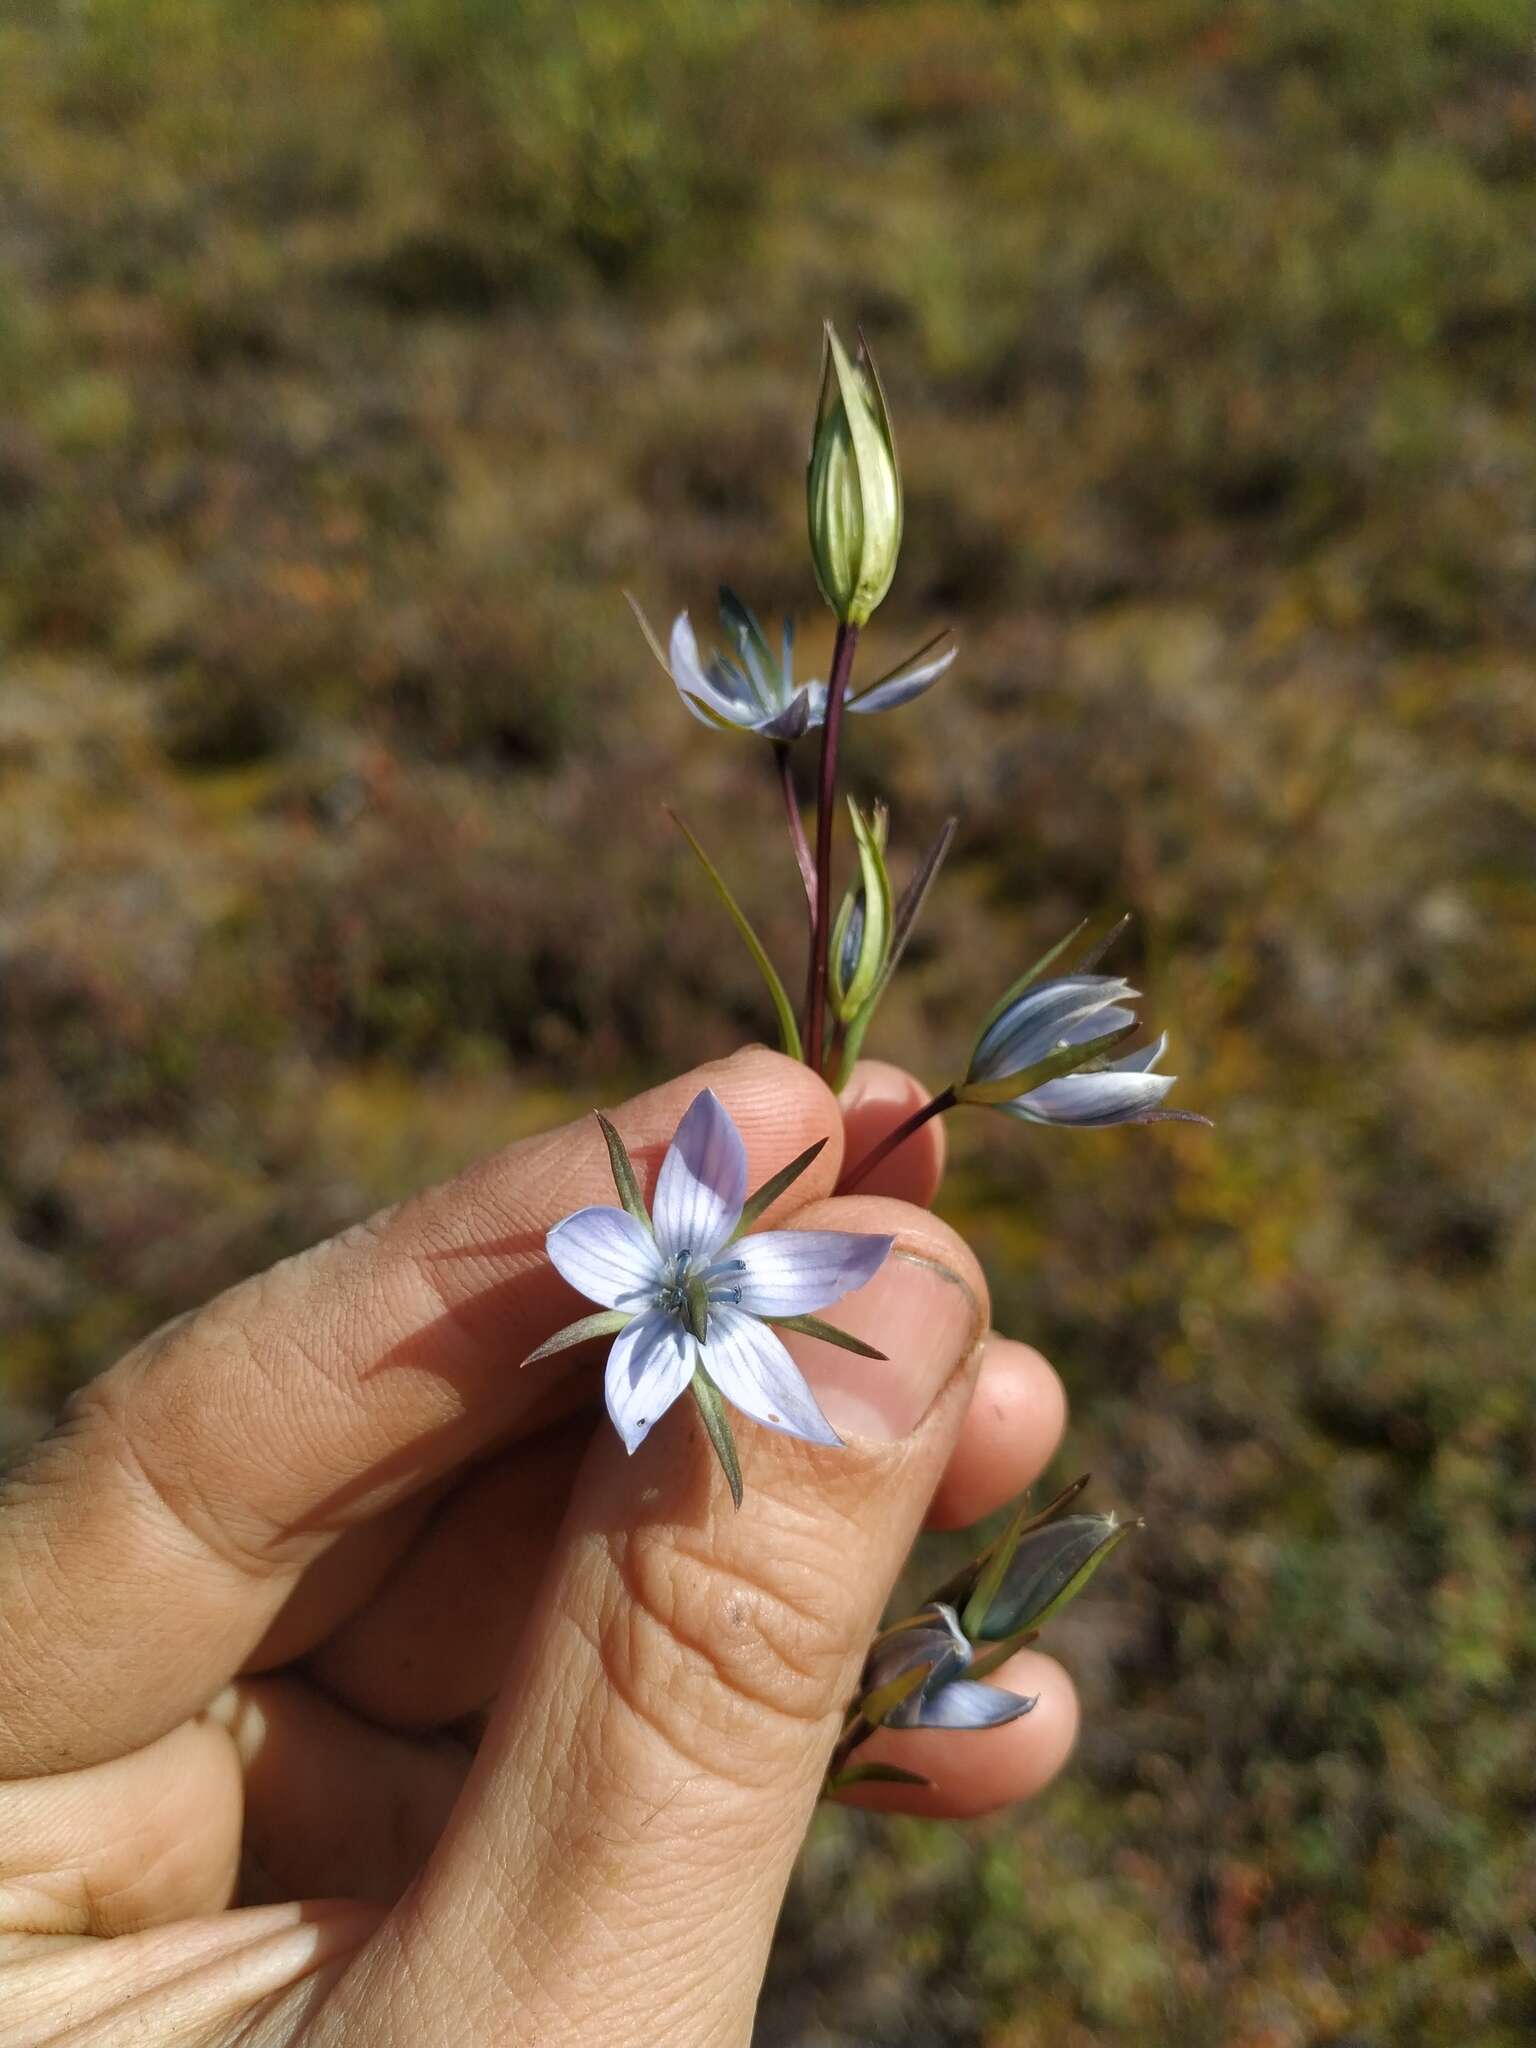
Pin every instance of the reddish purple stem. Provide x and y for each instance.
(826, 802)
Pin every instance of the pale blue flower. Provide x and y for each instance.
(1073, 1010)
(946, 1698)
(694, 1297)
(753, 688)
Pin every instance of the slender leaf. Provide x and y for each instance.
(789, 1031)
(625, 1178)
(711, 1407)
(771, 1190)
(606, 1323)
(1066, 1059)
(829, 1333)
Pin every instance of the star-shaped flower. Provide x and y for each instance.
(754, 688)
(689, 1299)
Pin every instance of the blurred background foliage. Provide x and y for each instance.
(356, 353)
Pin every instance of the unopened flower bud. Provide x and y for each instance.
(853, 486)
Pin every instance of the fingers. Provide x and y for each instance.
(147, 1546)
(975, 1770)
(875, 1101)
(434, 1642)
(618, 1861)
(1016, 1420)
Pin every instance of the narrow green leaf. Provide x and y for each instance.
(877, 1774)
(789, 1031)
(885, 1699)
(771, 1190)
(1066, 1059)
(606, 1323)
(711, 1407)
(624, 1176)
(998, 1653)
(829, 1333)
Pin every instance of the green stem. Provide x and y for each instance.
(826, 804)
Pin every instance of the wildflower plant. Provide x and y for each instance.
(691, 1296)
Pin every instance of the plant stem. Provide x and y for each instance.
(804, 858)
(826, 802)
(887, 1145)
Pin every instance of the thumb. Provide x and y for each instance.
(617, 1864)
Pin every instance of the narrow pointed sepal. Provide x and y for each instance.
(711, 1407)
(781, 1182)
(829, 1333)
(606, 1323)
(875, 1774)
(1066, 1059)
(625, 1179)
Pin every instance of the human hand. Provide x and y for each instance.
(316, 1599)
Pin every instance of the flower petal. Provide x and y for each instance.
(903, 684)
(689, 674)
(792, 1272)
(650, 1364)
(1039, 1020)
(756, 1374)
(1091, 1099)
(607, 1256)
(964, 1703)
(703, 1181)
(789, 723)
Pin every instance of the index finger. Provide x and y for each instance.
(146, 1546)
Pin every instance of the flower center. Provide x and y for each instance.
(689, 1293)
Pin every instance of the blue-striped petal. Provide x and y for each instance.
(651, 1362)
(703, 1182)
(794, 1272)
(608, 1256)
(756, 1374)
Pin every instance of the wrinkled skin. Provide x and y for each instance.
(355, 1687)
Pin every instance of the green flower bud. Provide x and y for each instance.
(853, 486)
(861, 937)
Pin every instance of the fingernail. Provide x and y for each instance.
(927, 1322)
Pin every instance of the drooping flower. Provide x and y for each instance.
(753, 689)
(944, 1697)
(1050, 1018)
(690, 1302)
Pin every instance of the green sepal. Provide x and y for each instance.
(789, 1030)
(876, 1774)
(606, 1323)
(711, 1406)
(1066, 1059)
(771, 1190)
(875, 1706)
(625, 1178)
(829, 1333)
(958, 1590)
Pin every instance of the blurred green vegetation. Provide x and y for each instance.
(357, 352)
